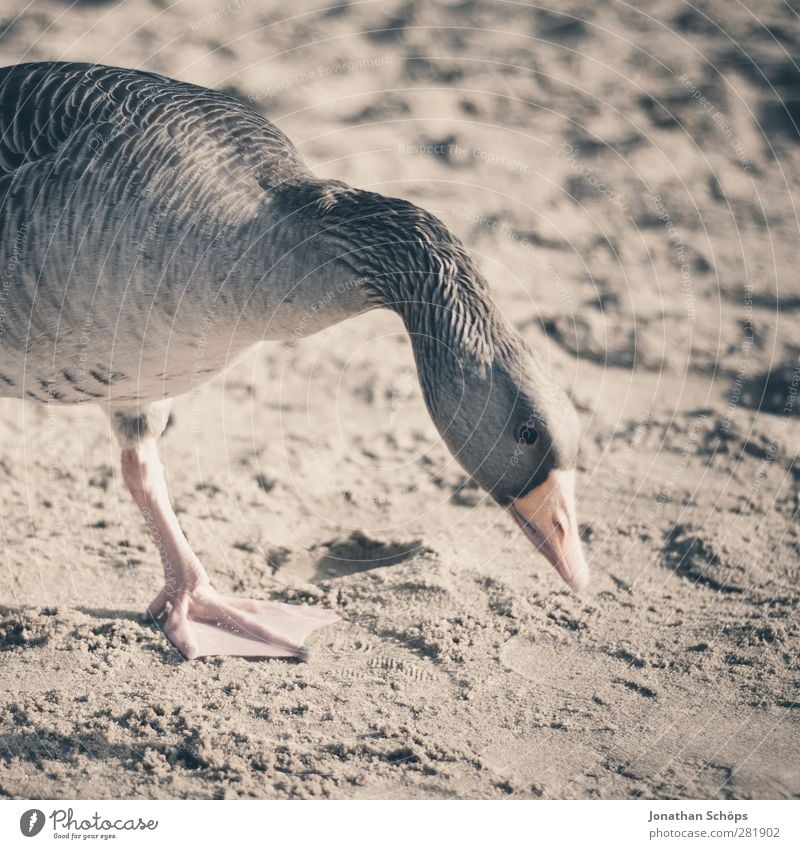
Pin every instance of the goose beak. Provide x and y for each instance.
(547, 516)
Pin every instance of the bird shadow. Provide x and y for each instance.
(45, 744)
(35, 628)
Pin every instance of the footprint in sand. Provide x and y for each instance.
(565, 666)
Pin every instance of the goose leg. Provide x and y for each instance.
(196, 619)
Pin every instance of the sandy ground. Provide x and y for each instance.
(627, 180)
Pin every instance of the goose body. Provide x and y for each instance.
(152, 231)
(138, 214)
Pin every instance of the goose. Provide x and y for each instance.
(152, 231)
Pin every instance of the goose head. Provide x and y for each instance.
(504, 419)
(516, 433)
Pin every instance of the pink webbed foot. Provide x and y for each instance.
(203, 623)
(197, 620)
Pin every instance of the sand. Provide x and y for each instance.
(626, 180)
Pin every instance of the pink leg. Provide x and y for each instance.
(199, 621)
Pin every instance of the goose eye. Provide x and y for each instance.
(527, 435)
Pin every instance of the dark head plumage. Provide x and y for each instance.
(499, 412)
